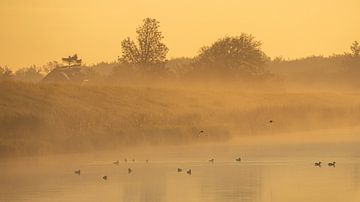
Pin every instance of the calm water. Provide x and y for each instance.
(267, 173)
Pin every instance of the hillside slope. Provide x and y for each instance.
(42, 118)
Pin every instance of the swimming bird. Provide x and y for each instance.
(129, 170)
(77, 172)
(104, 177)
(271, 121)
(211, 160)
(238, 159)
(117, 162)
(179, 170)
(125, 160)
(318, 164)
(332, 164)
(188, 172)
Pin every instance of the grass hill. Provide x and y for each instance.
(54, 118)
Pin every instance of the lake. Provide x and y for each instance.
(267, 173)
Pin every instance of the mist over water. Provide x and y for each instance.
(267, 172)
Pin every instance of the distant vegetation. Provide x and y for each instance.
(237, 57)
(231, 58)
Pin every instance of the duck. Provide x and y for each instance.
(179, 170)
(238, 159)
(212, 160)
(188, 172)
(77, 172)
(129, 170)
(332, 164)
(318, 164)
(104, 177)
(117, 162)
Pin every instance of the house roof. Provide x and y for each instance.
(64, 74)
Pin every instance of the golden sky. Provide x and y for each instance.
(38, 31)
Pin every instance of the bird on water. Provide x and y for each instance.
(332, 164)
(318, 164)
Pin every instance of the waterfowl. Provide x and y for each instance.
(332, 164)
(179, 170)
(117, 162)
(318, 164)
(77, 172)
(129, 170)
(238, 159)
(188, 172)
(104, 177)
(211, 160)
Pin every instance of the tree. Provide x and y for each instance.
(238, 55)
(355, 49)
(5, 74)
(29, 74)
(72, 61)
(50, 66)
(149, 50)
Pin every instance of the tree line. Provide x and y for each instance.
(231, 57)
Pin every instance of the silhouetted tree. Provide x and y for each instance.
(180, 66)
(5, 74)
(72, 61)
(29, 74)
(50, 66)
(355, 49)
(149, 50)
(238, 55)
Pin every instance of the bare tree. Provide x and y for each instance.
(149, 49)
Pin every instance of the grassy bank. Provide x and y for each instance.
(47, 118)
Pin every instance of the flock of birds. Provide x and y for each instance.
(330, 164)
(189, 171)
(179, 170)
(212, 160)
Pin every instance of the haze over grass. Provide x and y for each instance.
(47, 118)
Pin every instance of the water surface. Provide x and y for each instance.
(279, 173)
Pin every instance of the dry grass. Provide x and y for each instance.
(43, 118)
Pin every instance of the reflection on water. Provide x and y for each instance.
(260, 178)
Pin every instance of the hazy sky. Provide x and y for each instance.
(37, 31)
